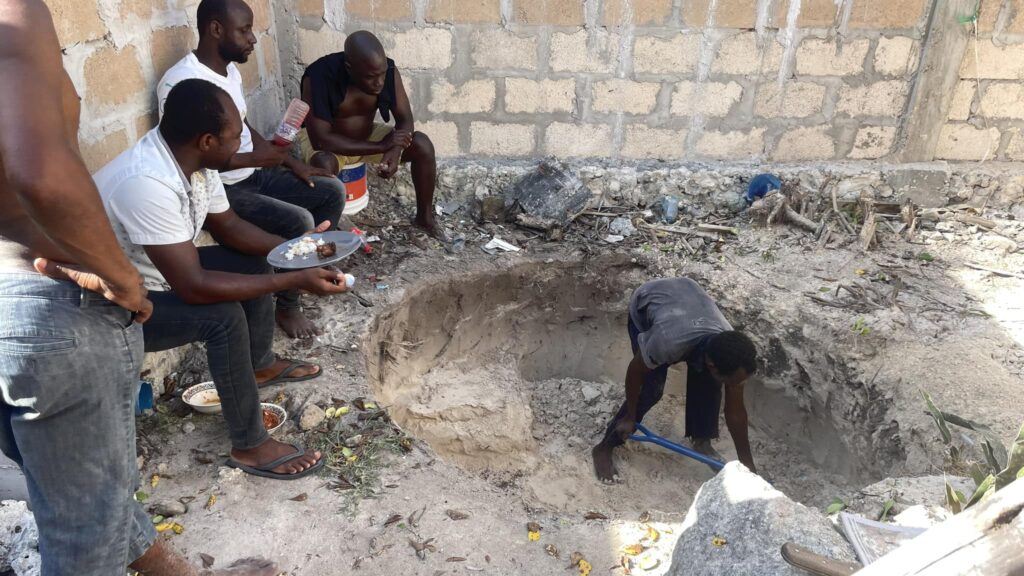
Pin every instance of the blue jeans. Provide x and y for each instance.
(703, 398)
(69, 369)
(275, 200)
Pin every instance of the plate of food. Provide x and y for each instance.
(314, 250)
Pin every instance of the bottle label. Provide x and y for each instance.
(286, 133)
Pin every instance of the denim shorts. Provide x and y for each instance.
(69, 367)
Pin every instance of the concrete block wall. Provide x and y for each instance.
(986, 118)
(116, 50)
(771, 80)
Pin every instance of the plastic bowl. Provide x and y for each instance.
(202, 398)
(281, 413)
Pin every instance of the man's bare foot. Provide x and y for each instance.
(604, 465)
(272, 450)
(276, 370)
(295, 324)
(703, 445)
(160, 560)
(429, 225)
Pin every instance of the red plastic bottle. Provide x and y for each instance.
(292, 122)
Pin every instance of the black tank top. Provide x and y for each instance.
(328, 81)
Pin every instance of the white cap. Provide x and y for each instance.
(350, 280)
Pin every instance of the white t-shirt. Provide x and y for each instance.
(191, 67)
(150, 202)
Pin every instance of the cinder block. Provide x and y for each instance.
(310, 9)
(1015, 151)
(995, 62)
(805, 144)
(741, 55)
(271, 64)
(377, 10)
(470, 97)
(168, 45)
(262, 14)
(817, 57)
(523, 95)
(145, 122)
(731, 145)
(873, 142)
(642, 142)
(574, 53)
(891, 14)
(641, 12)
(885, 98)
(1003, 100)
(676, 55)
(963, 97)
(76, 20)
(314, 44)
(626, 96)
(813, 13)
(495, 48)
(965, 142)
(444, 135)
(794, 100)
(707, 99)
(143, 9)
(250, 72)
(97, 154)
(895, 56)
(554, 12)
(566, 140)
(489, 139)
(728, 13)
(420, 48)
(112, 76)
(464, 11)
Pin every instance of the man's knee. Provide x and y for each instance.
(325, 161)
(421, 146)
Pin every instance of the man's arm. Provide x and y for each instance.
(234, 232)
(323, 137)
(42, 166)
(635, 375)
(736, 421)
(263, 155)
(404, 127)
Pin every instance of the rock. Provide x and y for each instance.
(622, 227)
(19, 540)
(311, 417)
(754, 520)
(590, 393)
(999, 244)
(920, 516)
(169, 508)
(927, 491)
(188, 427)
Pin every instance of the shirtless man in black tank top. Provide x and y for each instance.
(346, 91)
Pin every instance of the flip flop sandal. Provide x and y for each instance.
(817, 564)
(284, 378)
(266, 470)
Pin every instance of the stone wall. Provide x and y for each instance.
(772, 80)
(116, 50)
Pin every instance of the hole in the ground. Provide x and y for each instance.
(515, 373)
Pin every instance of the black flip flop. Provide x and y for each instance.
(266, 470)
(283, 377)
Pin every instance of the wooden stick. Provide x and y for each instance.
(716, 228)
(805, 223)
(679, 230)
(1003, 273)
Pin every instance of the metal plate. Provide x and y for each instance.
(346, 242)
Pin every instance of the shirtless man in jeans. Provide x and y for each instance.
(70, 340)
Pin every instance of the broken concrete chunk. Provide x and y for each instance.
(312, 416)
(169, 508)
(19, 540)
(590, 393)
(738, 523)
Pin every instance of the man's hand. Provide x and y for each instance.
(625, 428)
(131, 296)
(322, 282)
(266, 155)
(305, 172)
(322, 227)
(389, 163)
(397, 139)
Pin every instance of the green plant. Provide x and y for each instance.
(1000, 467)
(860, 327)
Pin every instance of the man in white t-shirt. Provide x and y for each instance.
(158, 195)
(265, 184)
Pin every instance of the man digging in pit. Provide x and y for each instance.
(345, 92)
(671, 321)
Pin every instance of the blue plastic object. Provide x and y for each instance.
(761, 185)
(669, 209)
(145, 397)
(648, 436)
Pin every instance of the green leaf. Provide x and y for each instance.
(983, 489)
(836, 505)
(1014, 462)
(886, 508)
(1020, 474)
(824, 289)
(925, 257)
(939, 420)
(995, 451)
(978, 474)
(953, 500)
(141, 496)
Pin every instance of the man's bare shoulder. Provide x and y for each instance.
(21, 15)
